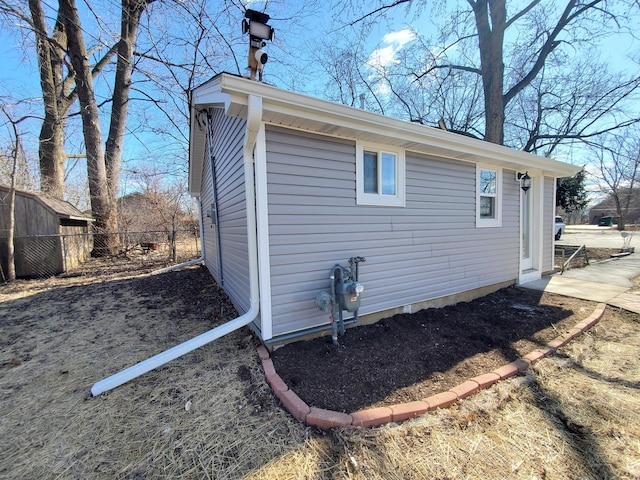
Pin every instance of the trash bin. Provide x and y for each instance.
(605, 222)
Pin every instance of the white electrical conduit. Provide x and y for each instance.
(254, 118)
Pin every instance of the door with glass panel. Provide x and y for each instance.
(526, 227)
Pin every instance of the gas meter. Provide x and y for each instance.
(345, 295)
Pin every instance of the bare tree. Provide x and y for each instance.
(156, 207)
(16, 152)
(103, 165)
(574, 105)
(57, 82)
(507, 47)
(618, 161)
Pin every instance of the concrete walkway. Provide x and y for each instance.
(610, 282)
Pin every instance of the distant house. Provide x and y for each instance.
(290, 186)
(50, 236)
(607, 208)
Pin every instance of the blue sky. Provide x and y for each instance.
(291, 63)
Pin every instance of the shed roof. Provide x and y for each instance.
(302, 112)
(61, 208)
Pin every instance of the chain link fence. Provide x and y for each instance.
(41, 256)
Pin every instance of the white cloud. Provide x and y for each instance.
(381, 57)
(400, 38)
(395, 41)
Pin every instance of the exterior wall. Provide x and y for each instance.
(225, 153)
(210, 237)
(35, 253)
(76, 243)
(32, 218)
(548, 222)
(428, 249)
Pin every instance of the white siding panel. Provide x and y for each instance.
(428, 249)
(209, 228)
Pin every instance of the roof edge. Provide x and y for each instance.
(235, 90)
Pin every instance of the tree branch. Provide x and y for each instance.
(450, 67)
(521, 13)
(549, 46)
(98, 67)
(378, 10)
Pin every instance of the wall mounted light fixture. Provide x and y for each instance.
(525, 181)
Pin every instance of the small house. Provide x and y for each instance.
(289, 186)
(608, 211)
(51, 236)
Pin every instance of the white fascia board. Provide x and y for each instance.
(415, 137)
(204, 96)
(422, 139)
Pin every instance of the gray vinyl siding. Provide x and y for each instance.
(210, 240)
(427, 249)
(548, 222)
(225, 148)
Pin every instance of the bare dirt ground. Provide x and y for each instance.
(410, 357)
(210, 414)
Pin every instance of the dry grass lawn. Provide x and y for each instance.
(210, 414)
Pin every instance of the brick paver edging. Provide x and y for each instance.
(373, 417)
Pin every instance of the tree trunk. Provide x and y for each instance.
(490, 17)
(52, 155)
(102, 203)
(131, 11)
(621, 224)
(51, 54)
(11, 254)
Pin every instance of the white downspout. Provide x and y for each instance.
(262, 220)
(254, 120)
(195, 260)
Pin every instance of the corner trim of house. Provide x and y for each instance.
(262, 214)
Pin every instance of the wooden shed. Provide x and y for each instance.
(51, 236)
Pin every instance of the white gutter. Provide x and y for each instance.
(254, 121)
(195, 260)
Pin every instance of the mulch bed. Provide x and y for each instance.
(412, 356)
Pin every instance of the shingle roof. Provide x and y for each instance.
(61, 208)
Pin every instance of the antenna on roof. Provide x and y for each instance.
(255, 23)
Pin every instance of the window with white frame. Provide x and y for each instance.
(488, 196)
(380, 173)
